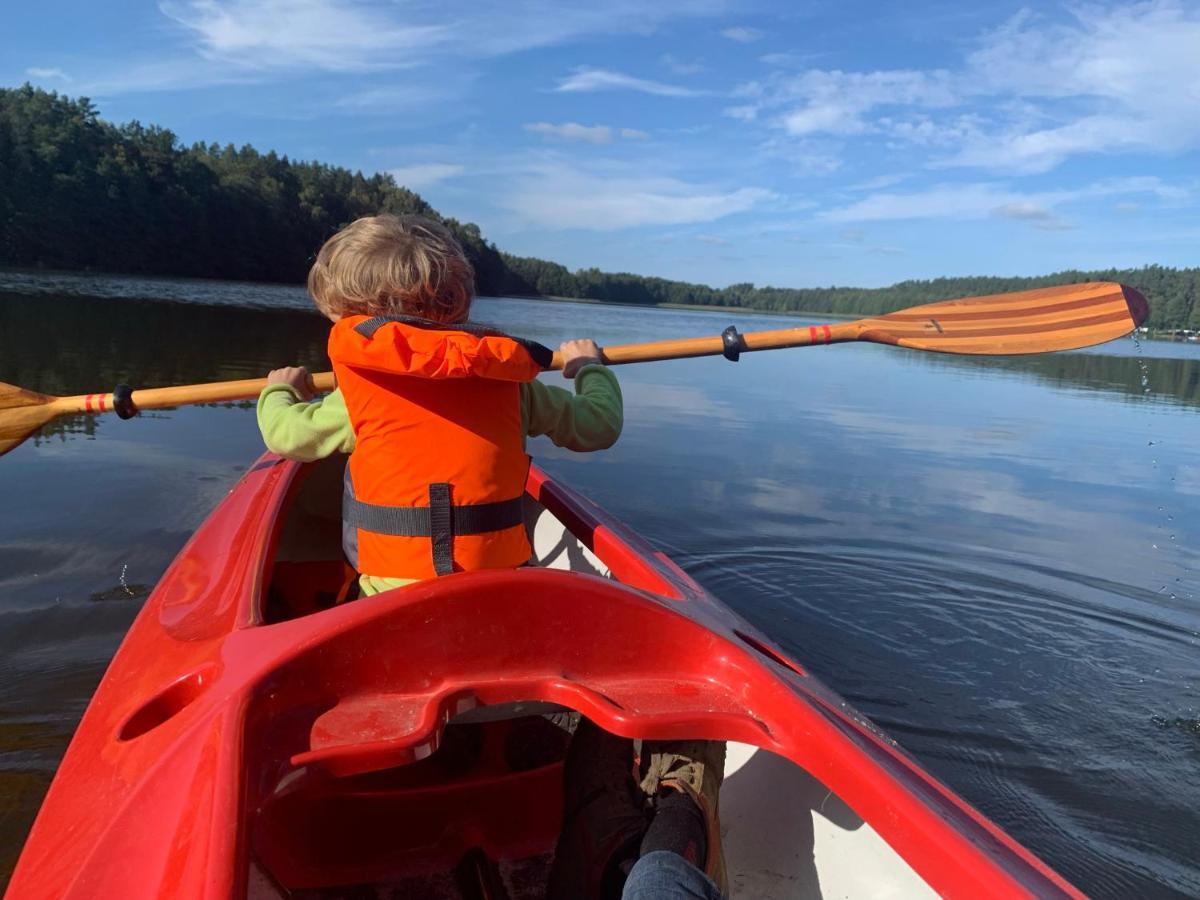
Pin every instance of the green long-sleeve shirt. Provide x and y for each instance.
(589, 419)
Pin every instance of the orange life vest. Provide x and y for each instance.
(437, 477)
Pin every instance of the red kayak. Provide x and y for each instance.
(255, 737)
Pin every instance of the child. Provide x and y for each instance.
(434, 411)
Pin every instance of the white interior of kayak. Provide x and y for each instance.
(784, 833)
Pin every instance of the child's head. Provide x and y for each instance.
(393, 265)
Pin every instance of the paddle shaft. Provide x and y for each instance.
(180, 395)
(684, 348)
(250, 388)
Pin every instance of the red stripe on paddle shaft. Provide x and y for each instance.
(828, 333)
(1073, 325)
(87, 403)
(102, 402)
(812, 334)
(966, 314)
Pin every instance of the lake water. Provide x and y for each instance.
(995, 559)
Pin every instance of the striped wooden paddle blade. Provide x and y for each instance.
(22, 413)
(1038, 321)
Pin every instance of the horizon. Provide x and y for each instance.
(711, 142)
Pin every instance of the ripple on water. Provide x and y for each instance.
(1070, 663)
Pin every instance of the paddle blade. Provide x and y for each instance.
(1038, 321)
(22, 413)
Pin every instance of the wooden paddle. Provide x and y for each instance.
(1040, 321)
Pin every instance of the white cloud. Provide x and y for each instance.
(747, 112)
(1030, 152)
(594, 134)
(556, 196)
(742, 34)
(235, 41)
(422, 175)
(586, 79)
(1112, 79)
(1035, 215)
(186, 73)
(713, 240)
(573, 131)
(679, 67)
(326, 34)
(837, 102)
(47, 74)
(879, 181)
(983, 199)
(367, 35)
(391, 99)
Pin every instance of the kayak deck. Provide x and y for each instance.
(255, 737)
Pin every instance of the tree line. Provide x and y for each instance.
(77, 192)
(1173, 294)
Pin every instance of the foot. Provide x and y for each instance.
(603, 817)
(694, 768)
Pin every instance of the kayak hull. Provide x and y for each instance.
(234, 749)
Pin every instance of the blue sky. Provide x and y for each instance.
(798, 144)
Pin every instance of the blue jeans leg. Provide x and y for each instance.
(663, 875)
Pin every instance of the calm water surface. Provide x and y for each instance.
(995, 559)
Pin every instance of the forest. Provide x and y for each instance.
(80, 193)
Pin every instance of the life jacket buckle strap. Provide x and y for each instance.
(441, 521)
(441, 528)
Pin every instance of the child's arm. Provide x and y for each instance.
(299, 430)
(589, 419)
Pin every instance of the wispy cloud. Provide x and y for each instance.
(587, 79)
(979, 200)
(593, 134)
(879, 181)
(743, 34)
(227, 41)
(1113, 79)
(388, 100)
(47, 74)
(327, 34)
(557, 196)
(680, 67)
(1035, 215)
(573, 131)
(841, 103)
(423, 175)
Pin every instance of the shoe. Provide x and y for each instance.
(697, 769)
(604, 817)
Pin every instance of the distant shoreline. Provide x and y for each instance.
(1164, 334)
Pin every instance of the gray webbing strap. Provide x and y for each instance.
(441, 528)
(440, 521)
(414, 521)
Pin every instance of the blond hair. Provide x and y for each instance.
(393, 265)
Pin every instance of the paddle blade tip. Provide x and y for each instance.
(22, 413)
(1139, 309)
